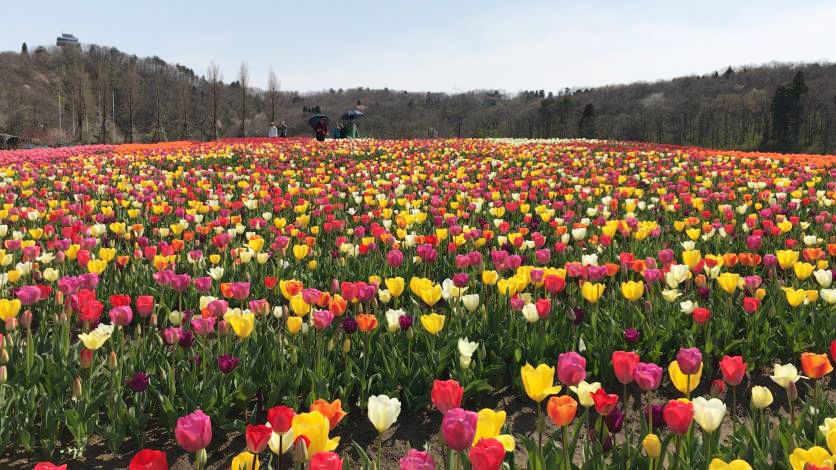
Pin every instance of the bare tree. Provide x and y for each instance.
(215, 77)
(244, 80)
(132, 82)
(273, 86)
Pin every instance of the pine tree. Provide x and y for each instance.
(586, 126)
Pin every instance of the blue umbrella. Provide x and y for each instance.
(352, 114)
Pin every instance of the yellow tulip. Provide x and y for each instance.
(244, 461)
(489, 426)
(96, 266)
(298, 305)
(433, 322)
(728, 282)
(13, 276)
(803, 270)
(300, 251)
(294, 324)
(395, 286)
(786, 258)
(242, 323)
(691, 258)
(9, 308)
(683, 382)
(490, 277)
(539, 382)
(431, 295)
(215, 259)
(818, 456)
(315, 427)
(256, 244)
(107, 254)
(592, 292)
(632, 290)
(96, 338)
(795, 297)
(652, 446)
(719, 464)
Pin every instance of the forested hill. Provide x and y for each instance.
(110, 96)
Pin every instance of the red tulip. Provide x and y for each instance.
(701, 315)
(554, 284)
(544, 306)
(120, 300)
(733, 369)
(487, 454)
(148, 459)
(446, 395)
(270, 282)
(144, 305)
(604, 402)
(257, 436)
(751, 305)
(624, 364)
(678, 416)
(280, 418)
(326, 461)
(833, 350)
(49, 466)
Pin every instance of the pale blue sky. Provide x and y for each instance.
(440, 45)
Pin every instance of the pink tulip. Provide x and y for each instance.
(203, 284)
(571, 368)
(458, 428)
(193, 431)
(203, 326)
(394, 258)
(322, 319)
(121, 316)
(647, 376)
(217, 308)
(28, 295)
(689, 360)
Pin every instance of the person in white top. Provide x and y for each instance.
(273, 131)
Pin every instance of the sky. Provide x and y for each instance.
(441, 45)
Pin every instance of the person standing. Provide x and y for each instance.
(283, 129)
(273, 131)
(321, 130)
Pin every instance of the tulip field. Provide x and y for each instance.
(416, 305)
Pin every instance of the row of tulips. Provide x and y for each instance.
(229, 277)
(476, 440)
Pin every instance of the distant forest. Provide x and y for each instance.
(65, 95)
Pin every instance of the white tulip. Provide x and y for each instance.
(466, 347)
(383, 412)
(824, 277)
(471, 302)
(709, 413)
(216, 273)
(529, 312)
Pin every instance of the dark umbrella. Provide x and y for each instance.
(315, 119)
(352, 114)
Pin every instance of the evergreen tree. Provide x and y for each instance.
(786, 111)
(586, 126)
(24, 49)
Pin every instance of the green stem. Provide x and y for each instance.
(566, 461)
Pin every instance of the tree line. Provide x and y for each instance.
(65, 95)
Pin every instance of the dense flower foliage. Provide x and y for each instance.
(276, 287)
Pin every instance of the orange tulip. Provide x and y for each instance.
(337, 305)
(562, 410)
(366, 322)
(333, 411)
(815, 366)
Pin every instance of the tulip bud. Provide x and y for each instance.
(331, 345)
(4, 356)
(464, 362)
(152, 320)
(200, 458)
(293, 356)
(63, 318)
(652, 446)
(76, 388)
(277, 312)
(717, 387)
(2, 338)
(11, 324)
(26, 319)
(300, 450)
(223, 328)
(792, 391)
(112, 362)
(85, 358)
(346, 346)
(4, 375)
(59, 298)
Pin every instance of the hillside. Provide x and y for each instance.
(110, 96)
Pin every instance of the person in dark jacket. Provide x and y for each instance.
(321, 130)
